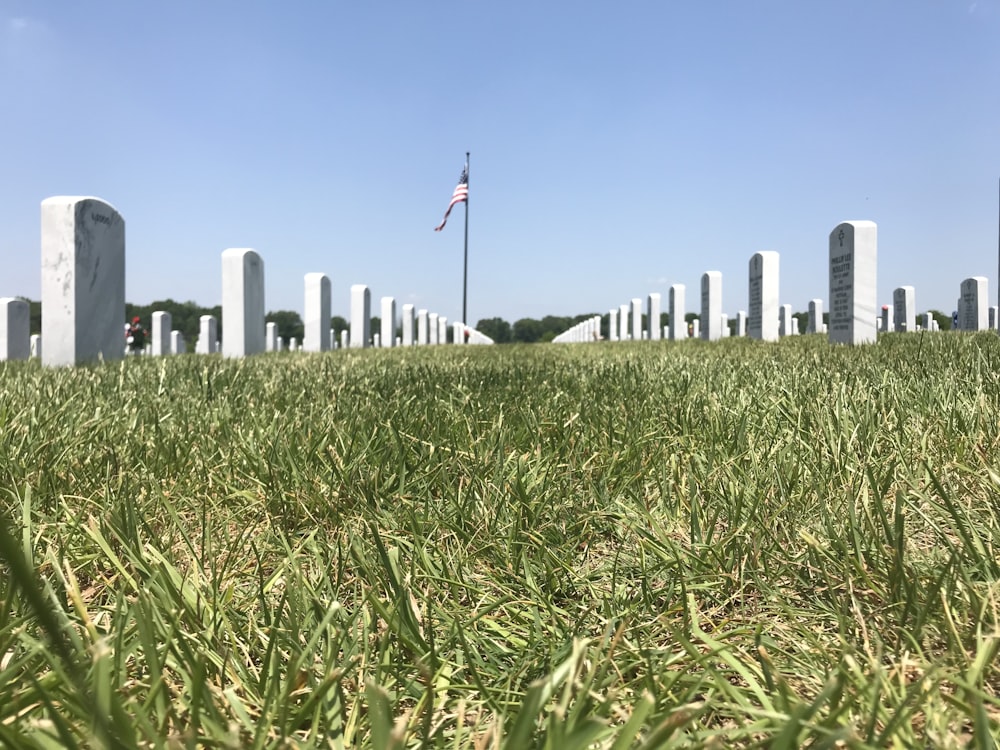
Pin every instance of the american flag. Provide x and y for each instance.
(461, 195)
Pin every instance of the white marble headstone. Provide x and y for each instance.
(653, 315)
(675, 309)
(623, 330)
(408, 325)
(177, 345)
(361, 316)
(636, 313)
(741, 323)
(815, 316)
(423, 328)
(36, 346)
(785, 321)
(442, 329)
(711, 305)
(763, 296)
(208, 332)
(433, 330)
(973, 310)
(83, 281)
(15, 328)
(853, 287)
(271, 337)
(904, 309)
(162, 324)
(387, 336)
(242, 302)
(316, 319)
(612, 325)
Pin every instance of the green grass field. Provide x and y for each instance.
(645, 545)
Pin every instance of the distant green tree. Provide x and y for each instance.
(527, 330)
(801, 320)
(289, 324)
(497, 329)
(943, 321)
(338, 324)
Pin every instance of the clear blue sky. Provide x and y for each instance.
(617, 147)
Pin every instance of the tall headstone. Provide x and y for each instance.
(612, 325)
(83, 281)
(317, 313)
(408, 321)
(636, 313)
(162, 322)
(15, 328)
(458, 333)
(623, 332)
(271, 337)
(675, 308)
(653, 316)
(432, 325)
(853, 277)
(785, 320)
(724, 325)
(361, 316)
(423, 328)
(815, 316)
(711, 305)
(763, 296)
(208, 332)
(442, 329)
(242, 302)
(904, 309)
(741, 323)
(973, 311)
(387, 338)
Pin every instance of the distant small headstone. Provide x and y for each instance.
(904, 309)
(36, 346)
(408, 325)
(442, 329)
(815, 316)
(271, 337)
(741, 323)
(208, 332)
(786, 323)
(433, 330)
(711, 305)
(177, 345)
(15, 328)
(612, 325)
(675, 308)
(423, 328)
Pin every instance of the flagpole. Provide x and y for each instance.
(465, 265)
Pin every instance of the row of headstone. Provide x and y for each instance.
(585, 331)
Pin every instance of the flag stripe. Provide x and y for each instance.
(460, 195)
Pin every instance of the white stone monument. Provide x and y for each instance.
(316, 333)
(387, 339)
(815, 316)
(271, 337)
(423, 328)
(973, 310)
(442, 329)
(763, 296)
(612, 325)
(408, 321)
(83, 281)
(636, 313)
(853, 277)
(695, 328)
(160, 338)
(904, 309)
(345, 339)
(653, 315)
(36, 346)
(15, 328)
(675, 308)
(361, 316)
(711, 305)
(623, 332)
(741, 323)
(994, 318)
(432, 326)
(242, 302)
(785, 320)
(724, 325)
(177, 345)
(208, 332)
(458, 333)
